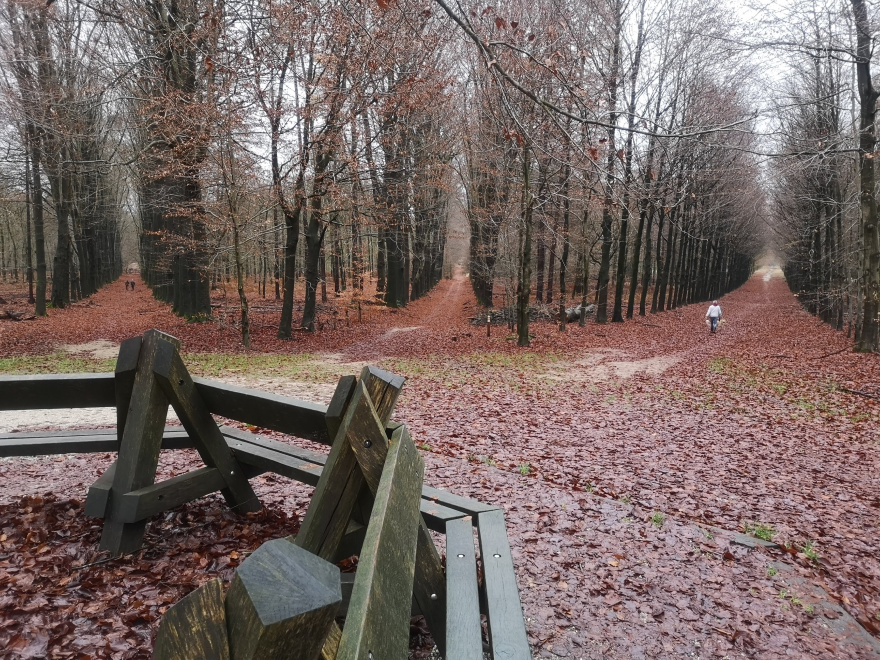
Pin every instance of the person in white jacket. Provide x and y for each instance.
(714, 315)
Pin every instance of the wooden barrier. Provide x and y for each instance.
(369, 500)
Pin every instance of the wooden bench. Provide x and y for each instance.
(150, 375)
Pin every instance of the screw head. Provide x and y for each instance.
(461, 555)
(433, 596)
(497, 556)
(367, 444)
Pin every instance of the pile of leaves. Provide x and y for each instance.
(62, 598)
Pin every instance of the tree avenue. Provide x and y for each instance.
(637, 155)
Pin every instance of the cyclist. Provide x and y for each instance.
(714, 315)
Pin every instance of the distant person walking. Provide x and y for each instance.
(714, 315)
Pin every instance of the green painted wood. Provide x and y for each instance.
(370, 445)
(53, 433)
(194, 628)
(139, 449)
(175, 381)
(268, 460)
(99, 493)
(123, 379)
(146, 502)
(57, 391)
(429, 585)
(271, 411)
(347, 588)
(507, 629)
(339, 486)
(231, 433)
(379, 612)
(365, 433)
(281, 604)
(78, 442)
(463, 628)
(384, 388)
(468, 506)
(338, 404)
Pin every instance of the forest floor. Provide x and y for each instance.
(636, 464)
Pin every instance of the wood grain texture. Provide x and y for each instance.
(268, 460)
(281, 604)
(365, 433)
(57, 391)
(278, 413)
(99, 493)
(338, 488)
(145, 502)
(139, 449)
(507, 629)
(466, 505)
(194, 628)
(316, 457)
(338, 405)
(77, 442)
(123, 379)
(379, 612)
(384, 388)
(178, 386)
(429, 586)
(463, 629)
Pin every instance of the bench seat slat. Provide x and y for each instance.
(507, 630)
(463, 631)
(16, 444)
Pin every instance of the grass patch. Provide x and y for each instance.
(796, 600)
(301, 366)
(56, 363)
(721, 365)
(658, 519)
(525, 468)
(809, 549)
(760, 531)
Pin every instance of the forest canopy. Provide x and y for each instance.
(633, 154)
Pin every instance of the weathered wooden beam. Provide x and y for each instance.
(271, 411)
(463, 629)
(233, 434)
(195, 627)
(99, 493)
(268, 460)
(379, 612)
(123, 379)
(429, 586)
(57, 391)
(340, 484)
(83, 442)
(507, 630)
(384, 388)
(281, 604)
(466, 505)
(178, 386)
(148, 501)
(338, 404)
(139, 449)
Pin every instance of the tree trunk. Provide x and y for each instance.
(524, 283)
(869, 339)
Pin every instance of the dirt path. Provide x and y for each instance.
(627, 457)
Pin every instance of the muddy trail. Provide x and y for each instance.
(638, 464)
